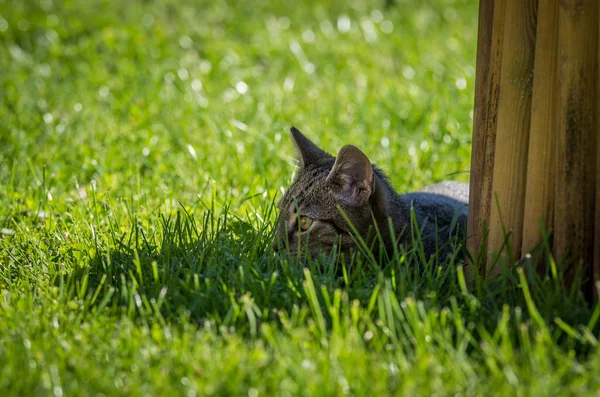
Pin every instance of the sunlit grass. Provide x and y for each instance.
(142, 146)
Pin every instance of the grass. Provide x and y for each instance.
(142, 146)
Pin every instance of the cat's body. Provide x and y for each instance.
(311, 220)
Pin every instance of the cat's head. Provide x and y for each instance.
(310, 220)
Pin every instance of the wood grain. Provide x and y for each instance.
(576, 135)
(596, 270)
(539, 191)
(487, 91)
(512, 130)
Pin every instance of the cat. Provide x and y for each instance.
(310, 220)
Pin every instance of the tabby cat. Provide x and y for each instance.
(310, 220)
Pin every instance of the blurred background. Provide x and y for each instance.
(165, 101)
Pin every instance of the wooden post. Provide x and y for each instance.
(485, 115)
(596, 269)
(539, 193)
(512, 131)
(576, 133)
(536, 132)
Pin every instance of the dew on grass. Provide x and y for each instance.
(240, 147)
(295, 47)
(3, 25)
(48, 118)
(185, 381)
(308, 36)
(230, 94)
(327, 28)
(196, 85)
(461, 83)
(241, 87)
(118, 382)
(239, 125)
(192, 151)
(169, 78)
(78, 107)
(185, 42)
(309, 68)
(408, 72)
(412, 150)
(201, 100)
(44, 70)
(58, 391)
(23, 25)
(376, 16)
(51, 35)
(361, 81)
(387, 26)
(6, 231)
(205, 67)
(183, 73)
(452, 44)
(343, 382)
(447, 139)
(283, 23)
(288, 84)
(424, 146)
(368, 28)
(385, 142)
(145, 152)
(104, 91)
(343, 23)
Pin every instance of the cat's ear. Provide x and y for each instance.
(309, 152)
(352, 177)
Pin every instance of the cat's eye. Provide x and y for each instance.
(304, 223)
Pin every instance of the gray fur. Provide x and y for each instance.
(325, 183)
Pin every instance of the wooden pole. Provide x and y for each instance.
(576, 134)
(539, 193)
(512, 131)
(536, 133)
(596, 269)
(485, 115)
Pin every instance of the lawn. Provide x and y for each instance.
(143, 145)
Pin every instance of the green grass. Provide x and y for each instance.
(142, 145)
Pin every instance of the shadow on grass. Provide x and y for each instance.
(214, 271)
(220, 271)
